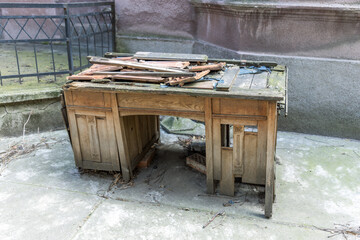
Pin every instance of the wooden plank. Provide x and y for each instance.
(209, 146)
(131, 137)
(227, 182)
(228, 78)
(261, 153)
(93, 138)
(242, 121)
(269, 186)
(243, 81)
(75, 140)
(112, 143)
(138, 134)
(211, 67)
(260, 81)
(146, 160)
(216, 140)
(201, 85)
(129, 64)
(149, 74)
(161, 102)
(104, 140)
(171, 56)
(254, 94)
(277, 81)
(242, 107)
(121, 140)
(81, 98)
(138, 78)
(244, 62)
(250, 158)
(182, 81)
(238, 149)
(83, 131)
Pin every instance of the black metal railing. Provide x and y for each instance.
(52, 39)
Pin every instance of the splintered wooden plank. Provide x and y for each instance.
(228, 78)
(171, 56)
(277, 81)
(227, 182)
(138, 78)
(243, 81)
(148, 74)
(260, 81)
(200, 85)
(129, 64)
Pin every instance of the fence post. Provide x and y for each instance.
(113, 27)
(68, 40)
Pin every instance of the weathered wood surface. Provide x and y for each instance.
(128, 109)
(260, 94)
(150, 74)
(171, 56)
(130, 64)
(228, 78)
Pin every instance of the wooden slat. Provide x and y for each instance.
(131, 137)
(138, 134)
(216, 139)
(83, 130)
(260, 81)
(138, 78)
(112, 142)
(171, 56)
(149, 74)
(81, 98)
(104, 141)
(200, 85)
(261, 152)
(121, 140)
(250, 158)
(158, 102)
(269, 186)
(243, 81)
(227, 182)
(75, 140)
(209, 147)
(130, 64)
(228, 78)
(93, 139)
(242, 107)
(238, 149)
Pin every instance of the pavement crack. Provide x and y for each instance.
(83, 222)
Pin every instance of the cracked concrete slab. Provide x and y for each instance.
(52, 165)
(129, 220)
(29, 212)
(317, 187)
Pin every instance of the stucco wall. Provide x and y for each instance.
(158, 17)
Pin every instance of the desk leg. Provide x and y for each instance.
(209, 147)
(270, 148)
(121, 140)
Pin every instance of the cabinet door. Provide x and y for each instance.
(93, 140)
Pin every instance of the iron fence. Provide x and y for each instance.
(52, 39)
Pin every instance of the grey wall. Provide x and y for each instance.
(318, 40)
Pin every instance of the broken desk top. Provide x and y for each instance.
(189, 74)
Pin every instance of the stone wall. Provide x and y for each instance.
(318, 40)
(42, 106)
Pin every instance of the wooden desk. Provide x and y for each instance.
(95, 110)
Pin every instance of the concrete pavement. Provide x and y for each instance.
(44, 196)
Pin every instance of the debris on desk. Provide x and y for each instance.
(194, 71)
